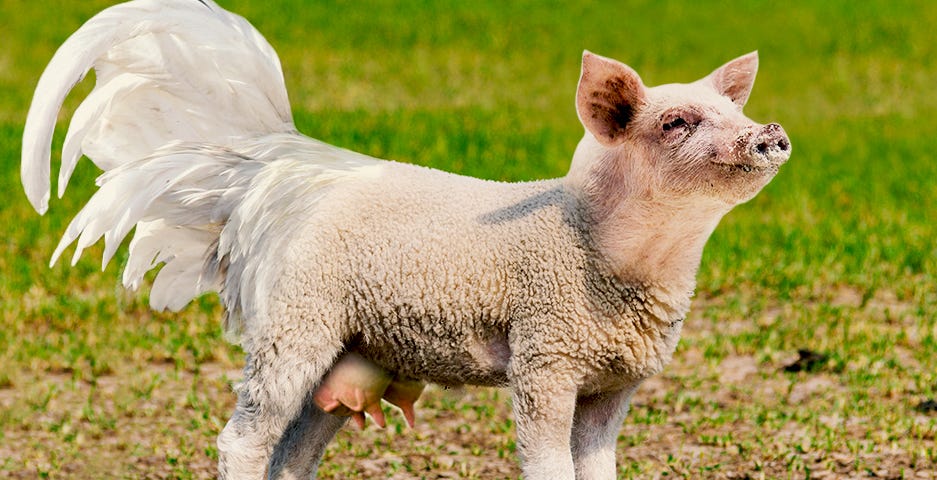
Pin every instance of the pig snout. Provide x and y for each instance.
(770, 145)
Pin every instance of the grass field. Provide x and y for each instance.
(837, 256)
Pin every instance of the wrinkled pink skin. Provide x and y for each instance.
(354, 386)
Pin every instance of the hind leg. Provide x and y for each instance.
(300, 450)
(279, 379)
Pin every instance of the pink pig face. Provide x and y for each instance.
(682, 139)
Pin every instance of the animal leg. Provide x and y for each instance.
(278, 378)
(300, 450)
(543, 411)
(595, 433)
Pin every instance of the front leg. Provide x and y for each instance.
(543, 409)
(595, 433)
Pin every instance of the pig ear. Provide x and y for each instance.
(736, 78)
(608, 97)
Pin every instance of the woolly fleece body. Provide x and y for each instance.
(568, 291)
(441, 277)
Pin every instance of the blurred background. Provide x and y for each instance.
(811, 347)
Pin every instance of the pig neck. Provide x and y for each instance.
(647, 237)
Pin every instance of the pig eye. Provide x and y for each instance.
(675, 123)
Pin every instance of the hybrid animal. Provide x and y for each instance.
(569, 291)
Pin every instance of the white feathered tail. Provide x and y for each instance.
(190, 121)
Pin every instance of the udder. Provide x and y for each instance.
(355, 386)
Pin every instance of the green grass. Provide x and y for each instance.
(837, 255)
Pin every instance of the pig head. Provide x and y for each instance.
(658, 167)
(680, 139)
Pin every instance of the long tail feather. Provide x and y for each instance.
(176, 70)
(190, 122)
(177, 83)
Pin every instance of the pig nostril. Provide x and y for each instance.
(784, 145)
(762, 147)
